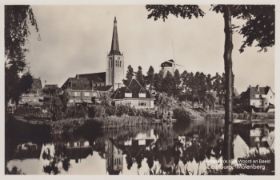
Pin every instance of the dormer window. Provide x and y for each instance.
(142, 95)
(128, 94)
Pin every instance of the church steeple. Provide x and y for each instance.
(115, 71)
(115, 40)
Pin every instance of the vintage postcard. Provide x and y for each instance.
(159, 88)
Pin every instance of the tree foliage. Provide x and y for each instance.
(150, 76)
(129, 75)
(259, 23)
(259, 26)
(140, 77)
(184, 11)
(18, 19)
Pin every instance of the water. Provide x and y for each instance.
(149, 149)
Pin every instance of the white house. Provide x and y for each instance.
(134, 95)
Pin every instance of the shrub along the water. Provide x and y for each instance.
(119, 110)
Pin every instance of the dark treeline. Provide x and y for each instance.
(195, 87)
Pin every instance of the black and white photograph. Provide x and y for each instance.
(139, 89)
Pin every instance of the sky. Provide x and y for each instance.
(77, 39)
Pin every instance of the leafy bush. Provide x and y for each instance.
(110, 110)
(122, 109)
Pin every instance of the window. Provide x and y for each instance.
(86, 93)
(77, 93)
(128, 95)
(142, 95)
(142, 103)
(120, 64)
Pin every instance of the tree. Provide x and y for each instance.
(168, 84)
(209, 82)
(64, 97)
(140, 77)
(165, 102)
(18, 19)
(23, 85)
(177, 81)
(129, 75)
(259, 27)
(150, 76)
(158, 81)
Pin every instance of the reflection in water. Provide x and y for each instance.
(114, 158)
(194, 148)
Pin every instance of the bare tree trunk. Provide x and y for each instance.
(228, 136)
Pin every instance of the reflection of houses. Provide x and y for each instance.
(78, 150)
(34, 95)
(134, 95)
(168, 66)
(27, 151)
(141, 139)
(260, 98)
(114, 158)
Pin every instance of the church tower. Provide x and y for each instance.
(115, 70)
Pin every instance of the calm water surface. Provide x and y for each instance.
(149, 149)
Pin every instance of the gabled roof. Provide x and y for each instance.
(93, 77)
(134, 87)
(258, 90)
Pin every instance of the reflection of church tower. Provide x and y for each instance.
(115, 71)
(114, 158)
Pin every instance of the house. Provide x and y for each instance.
(168, 66)
(34, 95)
(259, 98)
(133, 95)
(78, 150)
(79, 90)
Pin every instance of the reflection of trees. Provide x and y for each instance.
(129, 161)
(14, 170)
(168, 150)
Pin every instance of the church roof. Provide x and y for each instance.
(77, 84)
(93, 77)
(115, 41)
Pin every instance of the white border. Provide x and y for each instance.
(135, 2)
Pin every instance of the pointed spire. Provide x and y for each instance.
(115, 40)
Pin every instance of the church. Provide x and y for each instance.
(84, 87)
(114, 74)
